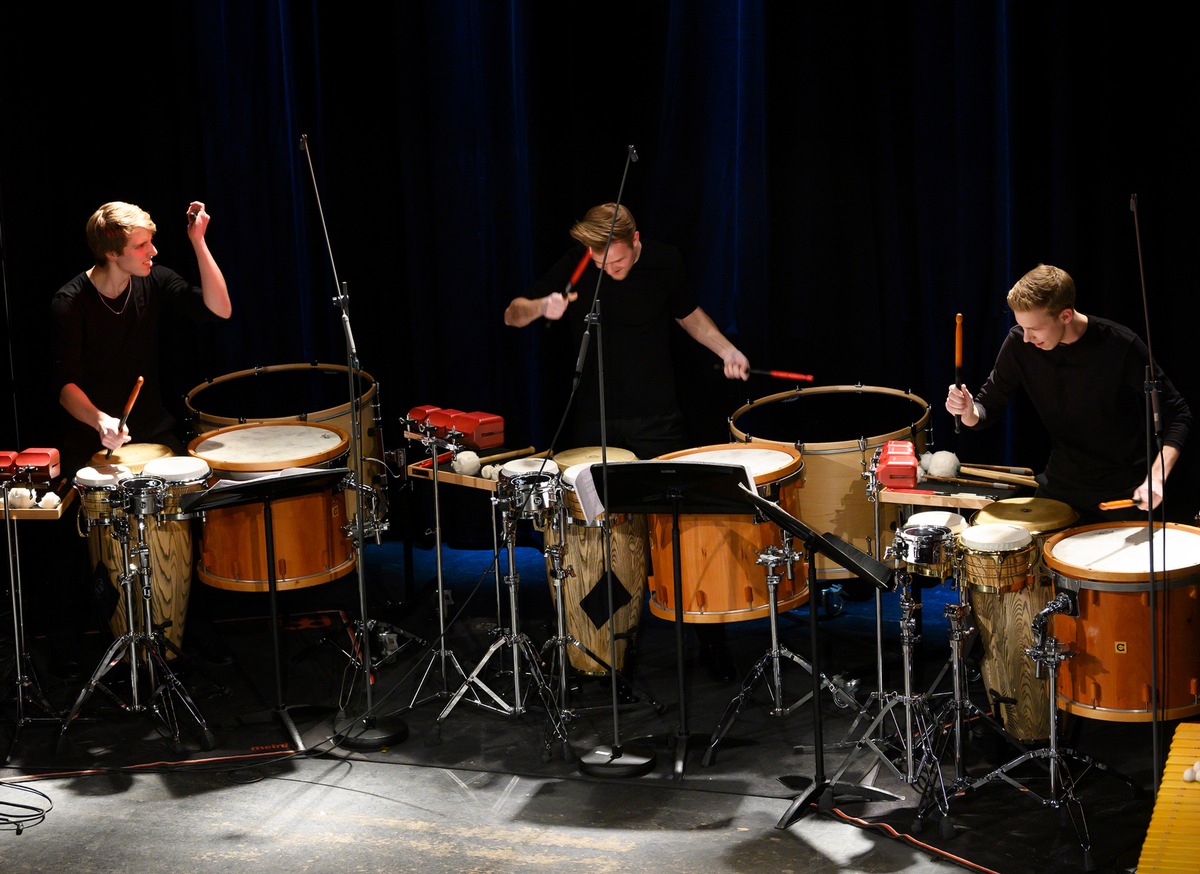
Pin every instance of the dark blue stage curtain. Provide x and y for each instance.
(842, 179)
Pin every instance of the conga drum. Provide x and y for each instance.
(585, 592)
(995, 562)
(311, 543)
(721, 579)
(1041, 517)
(1107, 567)
(837, 429)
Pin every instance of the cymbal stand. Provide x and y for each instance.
(442, 657)
(23, 673)
(560, 665)
(166, 690)
(774, 558)
(519, 644)
(921, 730)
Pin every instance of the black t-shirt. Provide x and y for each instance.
(635, 321)
(104, 345)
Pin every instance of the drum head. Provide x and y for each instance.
(521, 466)
(1036, 515)
(943, 518)
(133, 455)
(263, 447)
(103, 476)
(1120, 552)
(766, 464)
(590, 454)
(178, 469)
(995, 538)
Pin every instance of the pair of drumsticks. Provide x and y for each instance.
(137, 387)
(958, 355)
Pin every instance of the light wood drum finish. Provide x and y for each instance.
(995, 570)
(837, 429)
(1108, 567)
(311, 545)
(281, 393)
(718, 553)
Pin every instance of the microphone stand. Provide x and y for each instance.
(366, 730)
(609, 760)
(1153, 450)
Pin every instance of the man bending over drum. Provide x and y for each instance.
(649, 288)
(1085, 376)
(107, 322)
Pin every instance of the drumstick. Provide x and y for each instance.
(995, 474)
(1003, 468)
(967, 482)
(777, 374)
(1116, 505)
(958, 364)
(137, 387)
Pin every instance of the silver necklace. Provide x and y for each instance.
(128, 295)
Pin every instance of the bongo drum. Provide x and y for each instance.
(133, 456)
(282, 393)
(995, 561)
(311, 546)
(1107, 566)
(722, 581)
(828, 425)
(585, 594)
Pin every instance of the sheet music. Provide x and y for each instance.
(588, 490)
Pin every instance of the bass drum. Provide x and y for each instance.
(830, 425)
(314, 393)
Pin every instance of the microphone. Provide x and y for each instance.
(583, 349)
(632, 153)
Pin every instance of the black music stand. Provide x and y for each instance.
(856, 561)
(263, 490)
(677, 487)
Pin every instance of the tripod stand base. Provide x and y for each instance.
(826, 793)
(371, 733)
(634, 761)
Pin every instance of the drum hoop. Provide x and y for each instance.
(1077, 572)
(833, 447)
(1132, 587)
(782, 475)
(318, 415)
(996, 553)
(341, 448)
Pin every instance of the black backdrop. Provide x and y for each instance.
(842, 178)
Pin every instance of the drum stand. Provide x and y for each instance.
(560, 664)
(23, 673)
(167, 692)
(773, 558)
(520, 644)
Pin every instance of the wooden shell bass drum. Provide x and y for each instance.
(837, 429)
(315, 393)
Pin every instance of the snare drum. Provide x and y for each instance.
(134, 456)
(926, 554)
(528, 487)
(995, 568)
(311, 546)
(722, 581)
(827, 423)
(1107, 566)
